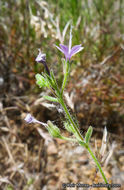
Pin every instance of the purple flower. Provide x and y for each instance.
(67, 50)
(41, 57)
(30, 119)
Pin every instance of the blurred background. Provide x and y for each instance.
(95, 91)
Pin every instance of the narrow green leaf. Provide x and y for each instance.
(52, 99)
(88, 134)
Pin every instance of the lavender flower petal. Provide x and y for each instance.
(75, 49)
(59, 49)
(64, 48)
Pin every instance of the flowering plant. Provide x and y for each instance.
(47, 79)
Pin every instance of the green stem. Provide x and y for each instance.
(82, 140)
(98, 165)
(71, 119)
(65, 76)
(77, 132)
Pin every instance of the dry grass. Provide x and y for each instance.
(31, 160)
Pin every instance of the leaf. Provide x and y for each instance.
(41, 81)
(50, 98)
(88, 134)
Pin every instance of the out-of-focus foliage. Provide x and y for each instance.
(26, 26)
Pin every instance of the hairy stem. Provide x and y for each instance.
(71, 119)
(65, 76)
(98, 165)
(82, 140)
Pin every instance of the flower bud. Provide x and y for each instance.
(41, 81)
(53, 130)
(41, 57)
